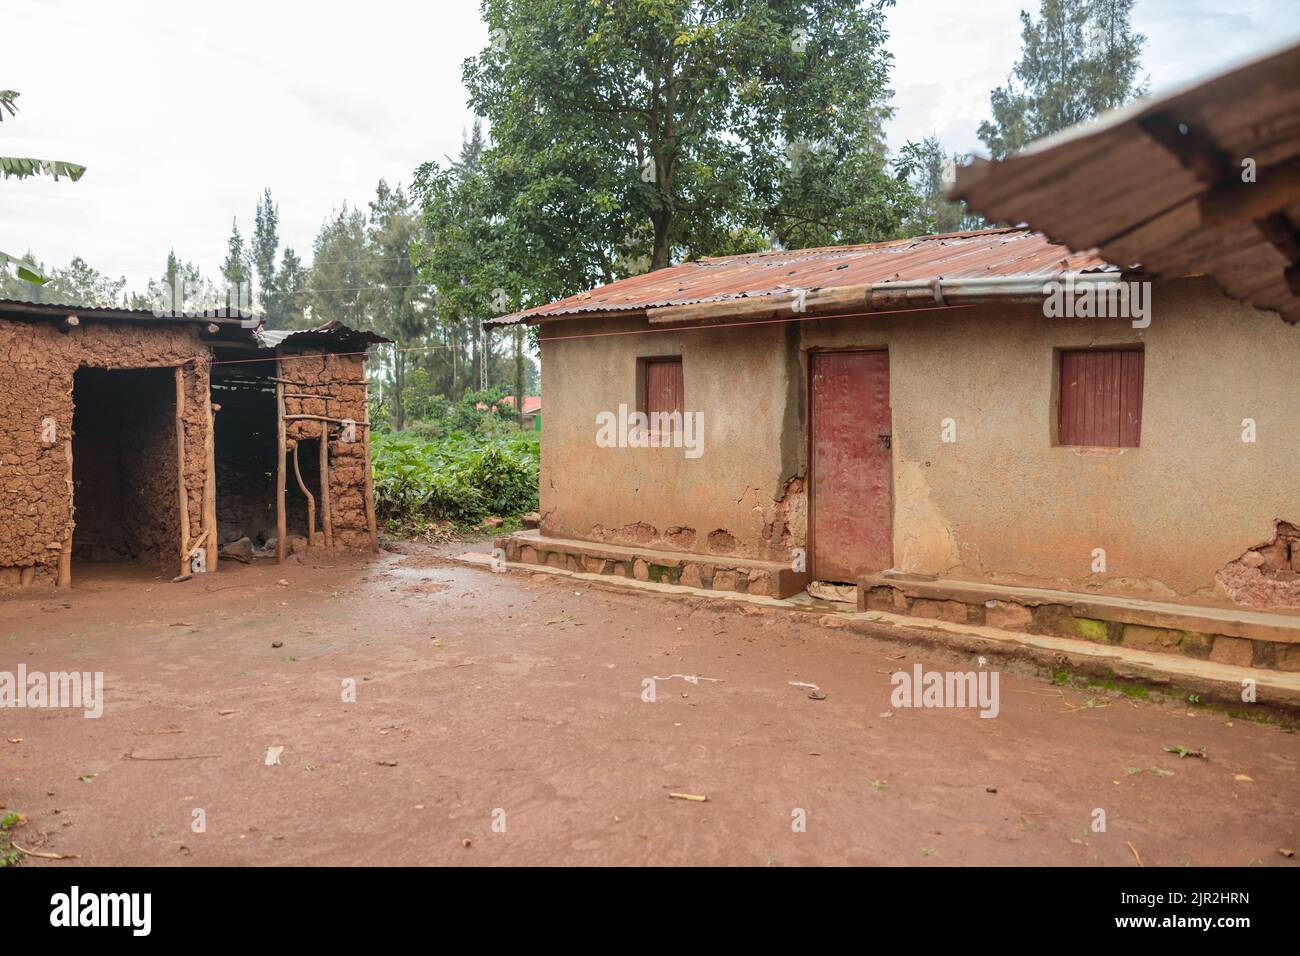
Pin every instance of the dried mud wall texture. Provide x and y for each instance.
(1003, 503)
(37, 368)
(336, 388)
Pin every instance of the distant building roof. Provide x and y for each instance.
(986, 254)
(1165, 182)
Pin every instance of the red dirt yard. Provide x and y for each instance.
(515, 699)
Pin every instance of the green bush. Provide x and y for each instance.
(460, 477)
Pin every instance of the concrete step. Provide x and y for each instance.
(1224, 635)
(707, 571)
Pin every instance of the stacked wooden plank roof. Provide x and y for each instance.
(1205, 180)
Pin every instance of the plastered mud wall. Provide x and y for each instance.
(37, 368)
(331, 386)
(1003, 503)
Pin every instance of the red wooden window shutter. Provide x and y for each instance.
(663, 386)
(1101, 398)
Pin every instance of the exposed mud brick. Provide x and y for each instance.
(954, 611)
(573, 563)
(721, 542)
(1267, 576)
(691, 576)
(528, 554)
(637, 533)
(724, 580)
(640, 570)
(594, 565)
(680, 539)
(1008, 617)
(1231, 650)
(555, 560)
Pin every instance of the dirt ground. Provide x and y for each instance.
(489, 702)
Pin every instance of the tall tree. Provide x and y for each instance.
(935, 212)
(475, 256)
(398, 300)
(237, 271)
(339, 275)
(80, 283)
(288, 294)
(264, 245)
(633, 130)
(20, 167)
(1078, 59)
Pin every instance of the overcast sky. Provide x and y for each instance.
(183, 112)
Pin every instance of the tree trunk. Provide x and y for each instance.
(519, 374)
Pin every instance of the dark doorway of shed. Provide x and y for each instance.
(124, 473)
(244, 436)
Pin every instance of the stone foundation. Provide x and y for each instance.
(709, 572)
(1246, 639)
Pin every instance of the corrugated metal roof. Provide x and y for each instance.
(1160, 182)
(20, 308)
(1005, 253)
(333, 333)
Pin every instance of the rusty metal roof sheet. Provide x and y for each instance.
(333, 335)
(1160, 182)
(1004, 253)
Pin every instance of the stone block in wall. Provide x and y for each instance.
(724, 580)
(640, 570)
(1231, 650)
(1008, 616)
(1143, 638)
(954, 611)
(1287, 657)
(691, 576)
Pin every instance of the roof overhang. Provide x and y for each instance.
(1204, 180)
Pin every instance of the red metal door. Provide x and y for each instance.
(851, 436)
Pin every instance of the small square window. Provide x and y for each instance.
(663, 385)
(1100, 398)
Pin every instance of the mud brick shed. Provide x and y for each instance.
(130, 440)
(905, 418)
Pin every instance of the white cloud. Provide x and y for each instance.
(184, 112)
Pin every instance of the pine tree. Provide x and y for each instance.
(1079, 59)
(265, 244)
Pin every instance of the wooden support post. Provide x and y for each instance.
(182, 497)
(370, 496)
(210, 484)
(370, 474)
(311, 500)
(327, 526)
(64, 579)
(280, 522)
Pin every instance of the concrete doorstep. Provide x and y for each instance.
(1167, 674)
